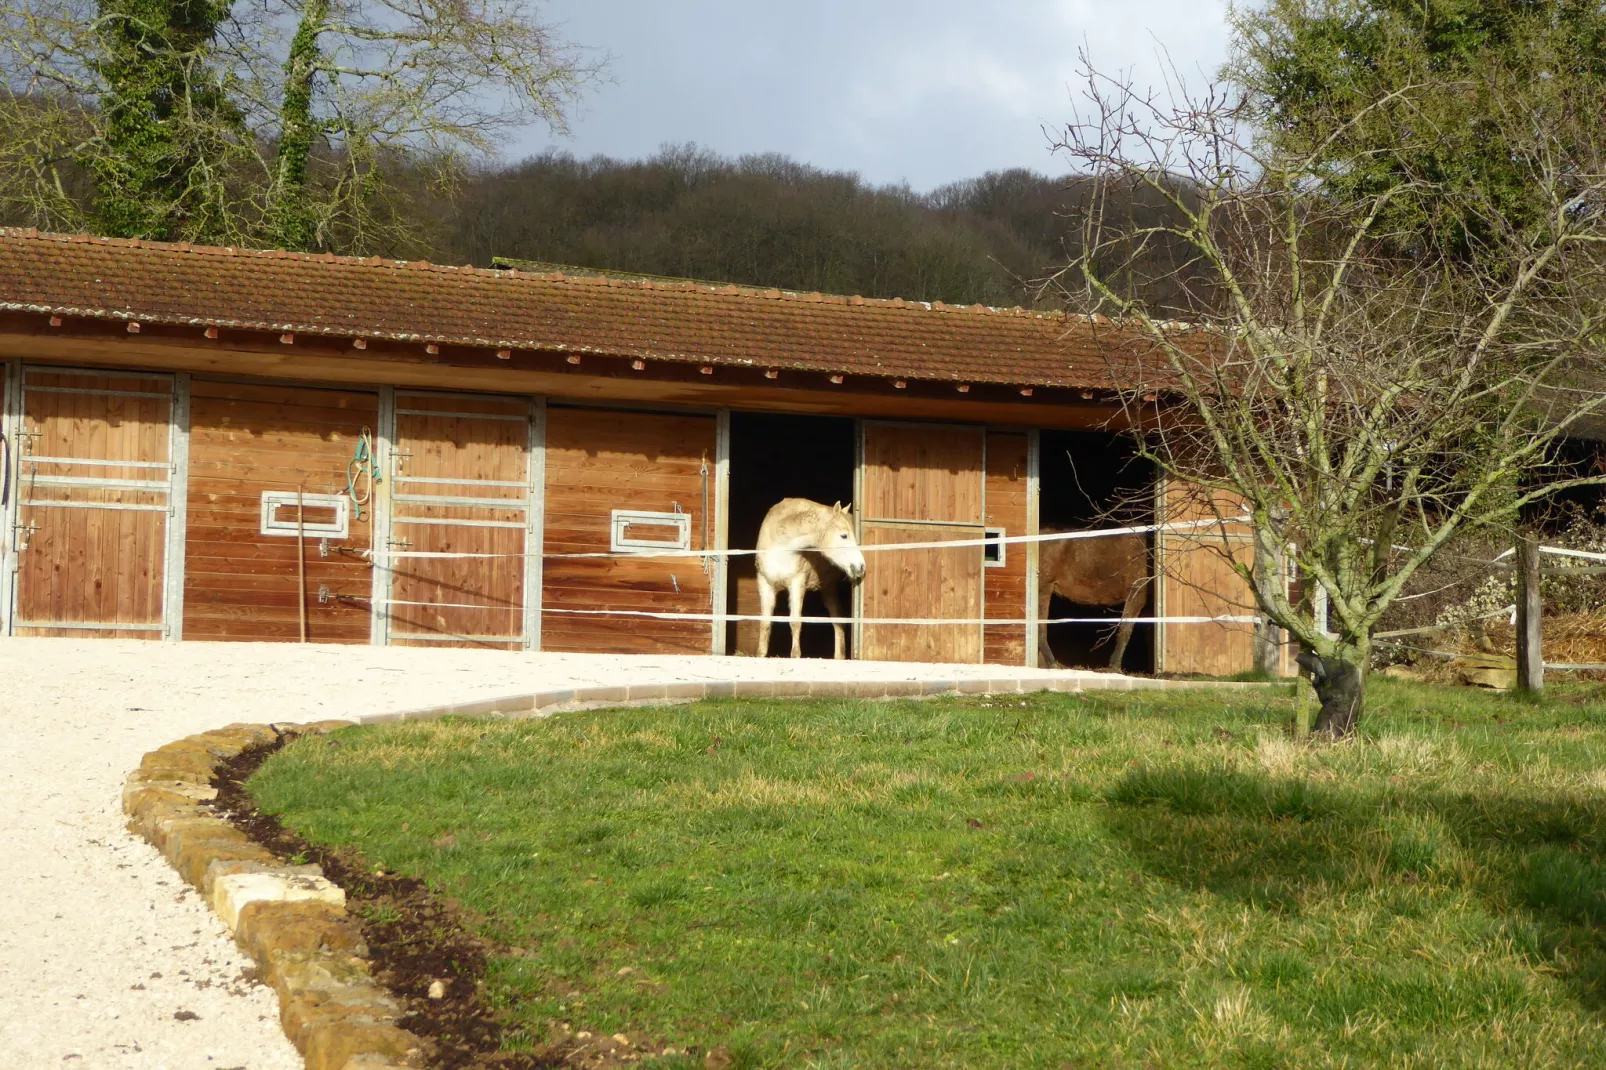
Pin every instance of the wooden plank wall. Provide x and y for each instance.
(246, 439)
(923, 472)
(601, 460)
(82, 563)
(476, 450)
(932, 474)
(1007, 596)
(1197, 580)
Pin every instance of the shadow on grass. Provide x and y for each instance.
(1298, 847)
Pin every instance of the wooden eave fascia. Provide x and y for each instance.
(282, 352)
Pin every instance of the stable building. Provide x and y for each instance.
(223, 444)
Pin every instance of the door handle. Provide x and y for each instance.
(5, 471)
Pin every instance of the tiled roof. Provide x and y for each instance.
(655, 320)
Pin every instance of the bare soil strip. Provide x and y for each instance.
(414, 938)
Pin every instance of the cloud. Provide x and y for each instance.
(925, 94)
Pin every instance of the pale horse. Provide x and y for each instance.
(805, 546)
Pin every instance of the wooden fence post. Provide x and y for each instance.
(1268, 637)
(1530, 656)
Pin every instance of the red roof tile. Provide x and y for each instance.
(653, 320)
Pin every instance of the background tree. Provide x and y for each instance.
(760, 220)
(351, 93)
(165, 124)
(1312, 64)
(1370, 371)
(42, 183)
(303, 123)
(771, 221)
(116, 118)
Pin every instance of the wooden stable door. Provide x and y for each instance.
(464, 494)
(93, 472)
(630, 504)
(277, 540)
(922, 483)
(1195, 553)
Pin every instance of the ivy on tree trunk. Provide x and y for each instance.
(162, 108)
(293, 224)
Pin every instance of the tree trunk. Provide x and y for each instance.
(1340, 684)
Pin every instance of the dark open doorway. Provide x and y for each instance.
(1090, 480)
(774, 457)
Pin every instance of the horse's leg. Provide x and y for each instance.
(766, 610)
(1123, 634)
(1045, 654)
(794, 593)
(832, 594)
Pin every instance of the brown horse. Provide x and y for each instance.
(1111, 570)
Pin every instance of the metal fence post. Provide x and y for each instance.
(1530, 656)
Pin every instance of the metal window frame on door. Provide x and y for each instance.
(176, 488)
(10, 427)
(385, 520)
(720, 594)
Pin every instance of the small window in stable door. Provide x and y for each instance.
(992, 551)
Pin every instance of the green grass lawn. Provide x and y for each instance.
(1109, 879)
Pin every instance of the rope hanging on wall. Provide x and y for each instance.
(361, 468)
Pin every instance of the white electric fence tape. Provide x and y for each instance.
(1559, 552)
(379, 557)
(1498, 561)
(1006, 622)
(874, 547)
(781, 619)
(1055, 536)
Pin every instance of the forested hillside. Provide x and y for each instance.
(689, 213)
(767, 221)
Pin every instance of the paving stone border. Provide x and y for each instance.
(290, 919)
(541, 703)
(293, 921)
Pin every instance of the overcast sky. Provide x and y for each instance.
(919, 92)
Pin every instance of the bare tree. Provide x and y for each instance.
(1365, 394)
(116, 118)
(325, 110)
(363, 81)
(42, 182)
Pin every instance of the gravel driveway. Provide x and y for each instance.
(107, 959)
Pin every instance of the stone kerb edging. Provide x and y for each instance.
(293, 921)
(544, 702)
(290, 919)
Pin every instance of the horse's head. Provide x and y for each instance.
(838, 544)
